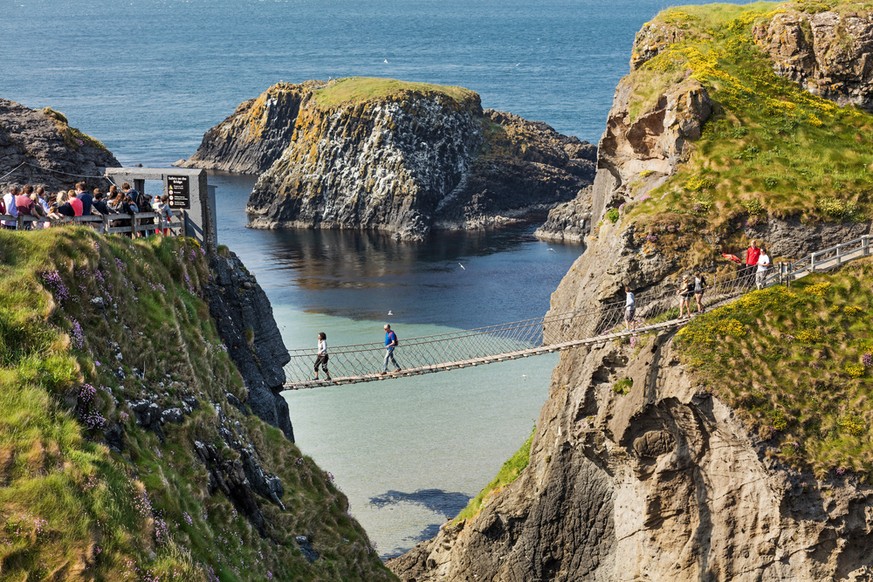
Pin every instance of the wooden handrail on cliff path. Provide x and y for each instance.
(101, 222)
(552, 333)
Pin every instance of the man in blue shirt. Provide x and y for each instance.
(86, 198)
(390, 344)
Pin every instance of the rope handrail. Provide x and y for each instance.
(553, 332)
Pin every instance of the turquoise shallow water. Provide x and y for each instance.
(149, 77)
(410, 452)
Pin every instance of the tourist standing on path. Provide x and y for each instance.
(322, 358)
(699, 287)
(752, 254)
(11, 209)
(390, 344)
(630, 308)
(86, 197)
(763, 267)
(685, 292)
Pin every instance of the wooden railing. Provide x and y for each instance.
(104, 223)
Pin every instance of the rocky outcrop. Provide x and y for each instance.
(255, 135)
(39, 147)
(244, 319)
(569, 222)
(638, 151)
(829, 53)
(417, 158)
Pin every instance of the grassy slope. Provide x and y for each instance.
(797, 364)
(508, 473)
(361, 89)
(74, 509)
(770, 149)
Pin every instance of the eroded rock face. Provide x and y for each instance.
(404, 164)
(828, 54)
(244, 319)
(647, 146)
(254, 136)
(661, 482)
(52, 152)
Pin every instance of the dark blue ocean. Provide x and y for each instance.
(149, 77)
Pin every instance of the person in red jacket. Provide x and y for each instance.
(752, 254)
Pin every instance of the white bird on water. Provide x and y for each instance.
(462, 266)
(390, 312)
(385, 61)
(551, 250)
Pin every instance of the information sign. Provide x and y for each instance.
(179, 191)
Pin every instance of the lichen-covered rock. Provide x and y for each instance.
(829, 53)
(254, 136)
(405, 160)
(43, 149)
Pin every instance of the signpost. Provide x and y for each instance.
(179, 192)
(188, 193)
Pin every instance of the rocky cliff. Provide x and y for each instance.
(828, 52)
(404, 158)
(40, 147)
(130, 450)
(648, 460)
(240, 309)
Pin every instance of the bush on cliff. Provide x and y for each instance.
(93, 487)
(797, 363)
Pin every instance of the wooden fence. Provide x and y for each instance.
(103, 223)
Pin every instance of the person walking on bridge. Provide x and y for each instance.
(322, 358)
(390, 343)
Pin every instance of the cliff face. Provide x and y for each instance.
(404, 158)
(53, 153)
(662, 478)
(143, 459)
(828, 53)
(240, 308)
(254, 136)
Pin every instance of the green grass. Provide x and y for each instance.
(73, 509)
(769, 149)
(508, 473)
(791, 361)
(354, 90)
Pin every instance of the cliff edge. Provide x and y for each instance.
(404, 158)
(738, 448)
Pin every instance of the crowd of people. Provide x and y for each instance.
(33, 201)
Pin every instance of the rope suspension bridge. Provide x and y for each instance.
(351, 364)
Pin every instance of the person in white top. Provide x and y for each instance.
(322, 358)
(630, 308)
(11, 208)
(763, 267)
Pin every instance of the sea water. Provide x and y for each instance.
(149, 77)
